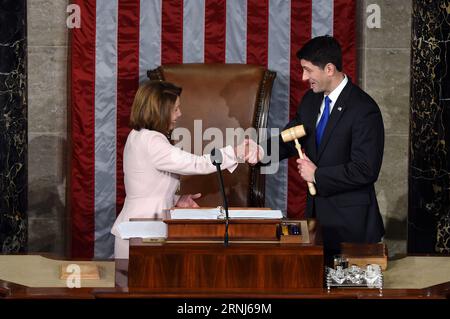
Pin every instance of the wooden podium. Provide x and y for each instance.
(195, 257)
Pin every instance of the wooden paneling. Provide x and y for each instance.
(212, 265)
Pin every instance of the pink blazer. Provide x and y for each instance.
(152, 169)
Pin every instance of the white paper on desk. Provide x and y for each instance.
(142, 229)
(255, 213)
(214, 213)
(195, 213)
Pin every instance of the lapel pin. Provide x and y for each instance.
(339, 108)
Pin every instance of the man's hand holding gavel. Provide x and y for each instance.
(306, 168)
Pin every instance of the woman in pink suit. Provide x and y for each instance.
(152, 165)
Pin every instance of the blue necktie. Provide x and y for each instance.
(323, 121)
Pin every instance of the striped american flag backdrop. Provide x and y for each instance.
(119, 40)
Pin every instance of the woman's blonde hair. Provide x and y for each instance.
(152, 106)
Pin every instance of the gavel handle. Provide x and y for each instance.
(311, 187)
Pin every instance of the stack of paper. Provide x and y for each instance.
(142, 229)
(255, 213)
(195, 213)
(215, 213)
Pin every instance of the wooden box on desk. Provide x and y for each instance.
(302, 237)
(214, 229)
(364, 254)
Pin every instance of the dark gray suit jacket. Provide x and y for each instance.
(348, 163)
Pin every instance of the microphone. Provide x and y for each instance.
(216, 159)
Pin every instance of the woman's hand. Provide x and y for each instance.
(187, 201)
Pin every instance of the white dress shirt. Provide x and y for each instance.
(334, 95)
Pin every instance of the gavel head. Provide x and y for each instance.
(292, 133)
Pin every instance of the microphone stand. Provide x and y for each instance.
(216, 158)
(225, 204)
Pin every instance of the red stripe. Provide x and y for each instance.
(172, 32)
(127, 80)
(257, 32)
(215, 28)
(82, 161)
(301, 11)
(345, 32)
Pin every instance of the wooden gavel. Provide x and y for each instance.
(292, 134)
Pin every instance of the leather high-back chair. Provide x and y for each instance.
(222, 96)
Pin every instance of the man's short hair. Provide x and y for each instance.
(322, 50)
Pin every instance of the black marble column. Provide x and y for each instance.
(13, 126)
(429, 179)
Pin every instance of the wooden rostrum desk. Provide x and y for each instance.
(9, 290)
(194, 257)
(249, 270)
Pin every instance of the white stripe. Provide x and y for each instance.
(105, 126)
(322, 18)
(279, 61)
(149, 37)
(236, 32)
(193, 31)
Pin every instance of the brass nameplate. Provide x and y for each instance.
(85, 271)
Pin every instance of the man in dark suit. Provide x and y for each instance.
(344, 146)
